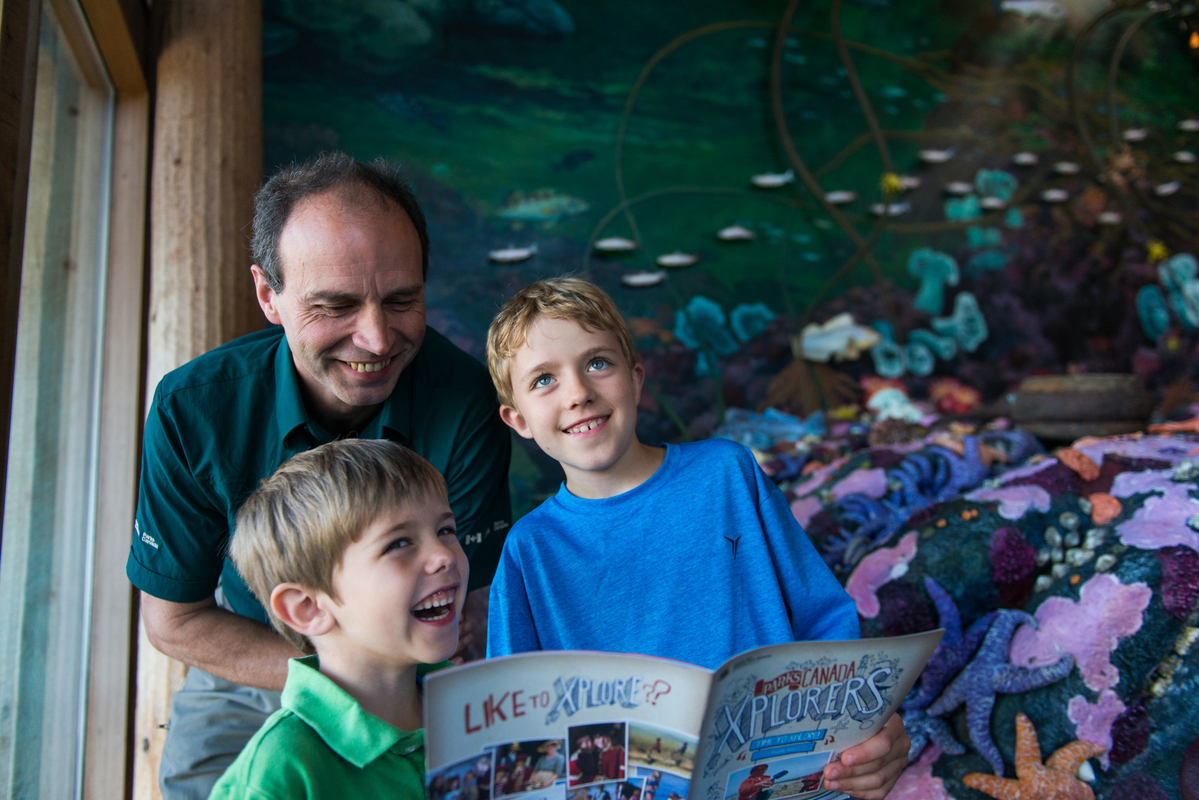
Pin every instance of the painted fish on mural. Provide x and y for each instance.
(642, 279)
(736, 233)
(677, 259)
(615, 244)
(544, 205)
(1034, 8)
(773, 180)
(512, 254)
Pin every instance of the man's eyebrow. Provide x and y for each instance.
(406, 292)
(332, 296)
(328, 297)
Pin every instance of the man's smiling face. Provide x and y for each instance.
(352, 303)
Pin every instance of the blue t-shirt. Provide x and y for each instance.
(702, 561)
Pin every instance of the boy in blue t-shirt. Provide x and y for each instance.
(683, 551)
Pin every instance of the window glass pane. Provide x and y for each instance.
(46, 546)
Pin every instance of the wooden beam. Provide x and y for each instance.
(207, 164)
(19, 26)
(107, 753)
(119, 28)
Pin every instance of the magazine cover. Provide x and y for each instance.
(573, 725)
(777, 715)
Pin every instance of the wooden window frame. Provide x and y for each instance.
(120, 30)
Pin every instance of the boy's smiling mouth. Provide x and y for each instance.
(437, 607)
(588, 425)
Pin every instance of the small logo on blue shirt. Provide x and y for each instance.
(733, 542)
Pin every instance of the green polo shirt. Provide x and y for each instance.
(321, 744)
(221, 423)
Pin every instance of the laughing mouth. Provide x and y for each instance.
(589, 425)
(363, 366)
(436, 606)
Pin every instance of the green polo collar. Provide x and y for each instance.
(393, 419)
(356, 735)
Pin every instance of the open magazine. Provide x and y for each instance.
(574, 725)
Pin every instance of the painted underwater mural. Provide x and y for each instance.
(835, 228)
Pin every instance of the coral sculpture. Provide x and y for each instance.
(1052, 780)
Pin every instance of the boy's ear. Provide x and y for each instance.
(516, 421)
(301, 609)
(638, 382)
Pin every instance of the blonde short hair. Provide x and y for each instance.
(573, 299)
(297, 525)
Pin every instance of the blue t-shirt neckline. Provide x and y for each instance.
(586, 505)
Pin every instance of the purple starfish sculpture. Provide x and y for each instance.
(965, 471)
(922, 729)
(951, 654)
(990, 673)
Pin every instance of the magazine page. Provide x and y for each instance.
(777, 715)
(565, 725)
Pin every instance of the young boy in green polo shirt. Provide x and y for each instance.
(351, 548)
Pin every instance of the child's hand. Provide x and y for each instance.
(465, 639)
(869, 770)
(472, 627)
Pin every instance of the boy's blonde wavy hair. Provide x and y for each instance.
(297, 525)
(573, 299)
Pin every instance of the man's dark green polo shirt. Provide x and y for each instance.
(228, 419)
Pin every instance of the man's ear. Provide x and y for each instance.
(516, 421)
(301, 609)
(266, 296)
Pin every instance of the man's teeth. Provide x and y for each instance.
(587, 426)
(372, 367)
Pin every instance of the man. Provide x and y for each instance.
(341, 256)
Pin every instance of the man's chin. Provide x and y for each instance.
(364, 394)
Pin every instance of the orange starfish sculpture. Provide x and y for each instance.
(1053, 780)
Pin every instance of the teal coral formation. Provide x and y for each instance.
(967, 324)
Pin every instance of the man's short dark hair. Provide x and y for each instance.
(275, 201)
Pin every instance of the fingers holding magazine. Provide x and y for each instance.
(869, 770)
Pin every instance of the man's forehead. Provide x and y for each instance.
(325, 241)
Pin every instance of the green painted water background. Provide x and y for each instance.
(478, 114)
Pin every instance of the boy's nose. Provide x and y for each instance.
(579, 391)
(444, 555)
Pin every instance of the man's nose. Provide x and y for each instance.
(373, 333)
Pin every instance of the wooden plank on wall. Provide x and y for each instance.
(119, 28)
(207, 164)
(107, 755)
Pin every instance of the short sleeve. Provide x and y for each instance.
(820, 607)
(509, 615)
(179, 531)
(477, 480)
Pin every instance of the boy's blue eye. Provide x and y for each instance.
(542, 382)
(598, 363)
(396, 545)
(447, 532)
